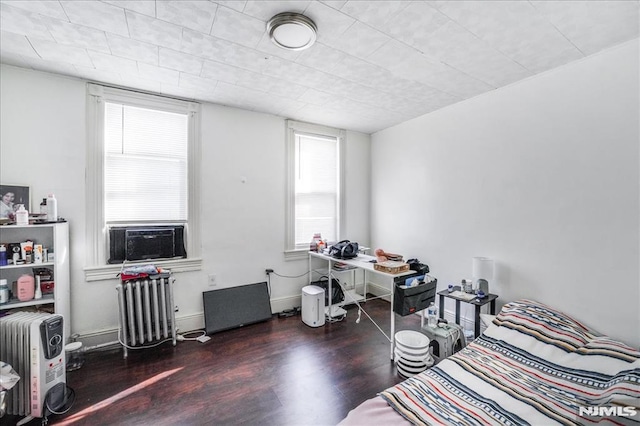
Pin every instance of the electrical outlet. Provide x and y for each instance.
(213, 280)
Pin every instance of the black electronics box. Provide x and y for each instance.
(409, 300)
(146, 242)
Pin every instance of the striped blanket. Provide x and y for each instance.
(534, 366)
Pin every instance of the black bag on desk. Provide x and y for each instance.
(416, 265)
(345, 249)
(410, 300)
(336, 290)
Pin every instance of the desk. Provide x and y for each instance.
(478, 303)
(362, 262)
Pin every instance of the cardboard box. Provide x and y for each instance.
(391, 266)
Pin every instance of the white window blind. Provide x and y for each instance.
(316, 192)
(145, 165)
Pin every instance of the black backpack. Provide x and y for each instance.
(336, 290)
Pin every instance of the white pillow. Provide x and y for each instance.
(486, 320)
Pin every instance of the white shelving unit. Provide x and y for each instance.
(55, 237)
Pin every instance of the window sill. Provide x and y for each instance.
(296, 254)
(110, 272)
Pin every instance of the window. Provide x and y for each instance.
(143, 169)
(314, 182)
(145, 164)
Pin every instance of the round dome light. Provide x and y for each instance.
(292, 31)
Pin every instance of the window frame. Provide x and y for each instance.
(96, 230)
(292, 128)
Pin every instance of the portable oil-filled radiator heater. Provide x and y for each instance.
(147, 313)
(33, 344)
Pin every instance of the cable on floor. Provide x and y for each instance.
(183, 336)
(361, 309)
(143, 346)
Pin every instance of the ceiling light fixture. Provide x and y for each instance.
(292, 31)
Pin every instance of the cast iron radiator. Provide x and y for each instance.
(147, 313)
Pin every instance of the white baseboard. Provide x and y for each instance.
(283, 303)
(109, 337)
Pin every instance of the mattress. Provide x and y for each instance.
(534, 365)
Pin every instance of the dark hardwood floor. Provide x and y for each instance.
(279, 372)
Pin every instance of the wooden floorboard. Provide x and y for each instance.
(278, 372)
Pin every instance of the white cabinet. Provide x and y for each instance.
(55, 238)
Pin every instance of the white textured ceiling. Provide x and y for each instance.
(375, 64)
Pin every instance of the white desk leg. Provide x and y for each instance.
(393, 323)
(330, 292)
(364, 277)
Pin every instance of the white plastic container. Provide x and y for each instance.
(4, 291)
(411, 354)
(313, 306)
(52, 208)
(22, 216)
(75, 355)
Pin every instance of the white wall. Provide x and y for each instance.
(42, 144)
(542, 176)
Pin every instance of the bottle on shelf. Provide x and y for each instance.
(432, 315)
(43, 206)
(22, 216)
(38, 291)
(4, 291)
(314, 242)
(3, 255)
(52, 208)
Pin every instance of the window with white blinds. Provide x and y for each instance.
(316, 188)
(314, 200)
(145, 165)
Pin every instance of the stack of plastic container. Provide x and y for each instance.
(411, 353)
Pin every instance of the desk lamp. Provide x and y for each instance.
(482, 273)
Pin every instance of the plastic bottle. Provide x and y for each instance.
(4, 291)
(22, 216)
(43, 206)
(52, 208)
(3, 255)
(38, 290)
(432, 315)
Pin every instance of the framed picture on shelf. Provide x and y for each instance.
(12, 197)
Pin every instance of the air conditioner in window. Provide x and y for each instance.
(146, 243)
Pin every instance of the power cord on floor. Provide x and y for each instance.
(183, 336)
(143, 346)
(361, 310)
(289, 312)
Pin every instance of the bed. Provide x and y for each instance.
(533, 365)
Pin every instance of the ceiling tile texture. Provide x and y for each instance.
(375, 63)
